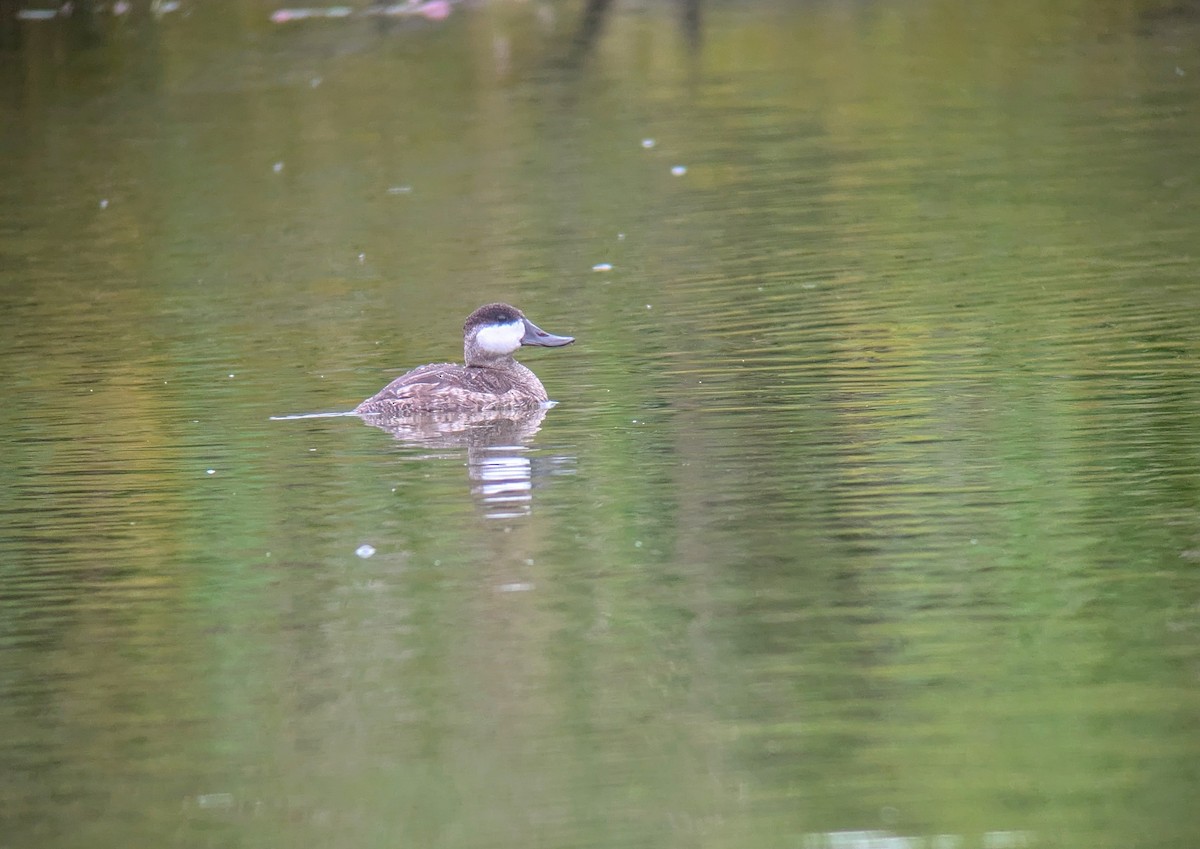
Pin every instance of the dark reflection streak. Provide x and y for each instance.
(84, 24)
(10, 29)
(591, 24)
(690, 22)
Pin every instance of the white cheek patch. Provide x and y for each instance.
(500, 338)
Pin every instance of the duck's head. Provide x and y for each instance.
(495, 331)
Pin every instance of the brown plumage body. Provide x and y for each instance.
(490, 380)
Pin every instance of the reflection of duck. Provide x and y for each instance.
(490, 380)
(498, 462)
(486, 429)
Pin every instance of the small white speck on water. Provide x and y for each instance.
(362, 258)
(104, 203)
(314, 82)
(1179, 72)
(648, 143)
(974, 542)
(277, 167)
(602, 266)
(679, 170)
(312, 450)
(637, 543)
(210, 471)
(649, 307)
(399, 190)
(515, 587)
(620, 237)
(437, 563)
(232, 375)
(365, 550)
(214, 800)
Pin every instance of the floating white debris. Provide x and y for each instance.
(314, 82)
(277, 167)
(364, 551)
(399, 190)
(515, 587)
(602, 266)
(210, 471)
(285, 16)
(214, 800)
(620, 237)
(679, 170)
(647, 143)
(433, 10)
(104, 203)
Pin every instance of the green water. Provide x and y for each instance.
(870, 509)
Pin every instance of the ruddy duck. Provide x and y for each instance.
(490, 380)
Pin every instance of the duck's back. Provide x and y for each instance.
(446, 387)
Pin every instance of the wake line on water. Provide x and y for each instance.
(312, 416)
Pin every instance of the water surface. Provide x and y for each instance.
(869, 509)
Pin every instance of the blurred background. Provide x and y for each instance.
(869, 514)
